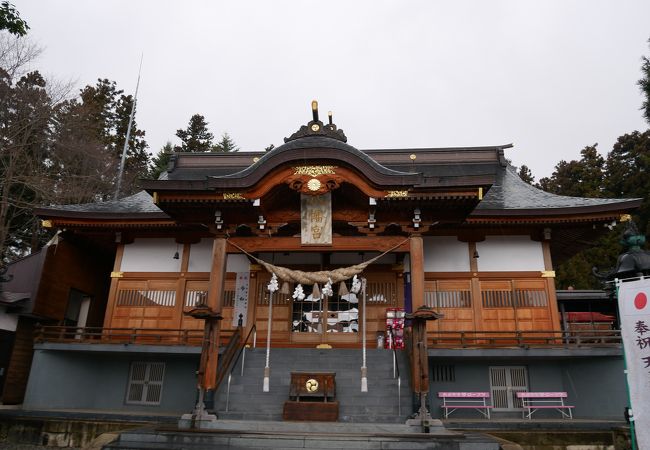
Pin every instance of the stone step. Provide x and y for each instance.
(233, 435)
(247, 401)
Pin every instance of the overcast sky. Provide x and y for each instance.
(548, 76)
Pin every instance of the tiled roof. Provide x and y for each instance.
(139, 203)
(511, 194)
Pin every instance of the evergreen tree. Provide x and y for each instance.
(582, 178)
(526, 175)
(160, 162)
(644, 84)
(226, 144)
(196, 137)
(10, 20)
(628, 165)
(106, 112)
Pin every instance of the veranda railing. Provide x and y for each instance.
(523, 339)
(99, 335)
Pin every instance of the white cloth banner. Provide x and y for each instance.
(634, 305)
(241, 298)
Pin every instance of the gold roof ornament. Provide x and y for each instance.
(314, 171)
(233, 196)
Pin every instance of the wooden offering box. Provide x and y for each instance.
(312, 397)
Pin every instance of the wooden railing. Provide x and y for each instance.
(148, 336)
(523, 339)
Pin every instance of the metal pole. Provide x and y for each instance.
(228, 391)
(128, 136)
(243, 359)
(364, 368)
(267, 367)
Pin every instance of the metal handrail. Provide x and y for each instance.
(525, 339)
(242, 353)
(396, 374)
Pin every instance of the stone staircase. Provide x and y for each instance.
(379, 405)
(251, 435)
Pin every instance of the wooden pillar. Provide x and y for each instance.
(475, 287)
(417, 271)
(112, 293)
(217, 281)
(550, 285)
(210, 352)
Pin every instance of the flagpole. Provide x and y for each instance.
(128, 135)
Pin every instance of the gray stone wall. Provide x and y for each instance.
(595, 385)
(98, 381)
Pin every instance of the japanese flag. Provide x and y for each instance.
(634, 299)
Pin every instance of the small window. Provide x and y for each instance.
(145, 383)
(444, 373)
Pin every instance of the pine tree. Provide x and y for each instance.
(644, 84)
(160, 162)
(226, 144)
(196, 137)
(526, 175)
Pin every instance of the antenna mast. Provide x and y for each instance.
(128, 135)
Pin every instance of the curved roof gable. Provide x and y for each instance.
(315, 148)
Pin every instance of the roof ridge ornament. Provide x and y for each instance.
(316, 128)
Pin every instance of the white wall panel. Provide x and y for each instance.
(152, 255)
(509, 253)
(8, 322)
(238, 263)
(445, 254)
(201, 258)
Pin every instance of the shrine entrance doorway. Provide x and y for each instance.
(322, 319)
(335, 320)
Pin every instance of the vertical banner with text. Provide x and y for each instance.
(316, 219)
(634, 305)
(241, 298)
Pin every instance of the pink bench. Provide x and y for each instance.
(532, 401)
(451, 401)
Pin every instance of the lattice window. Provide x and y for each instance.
(443, 373)
(145, 383)
(381, 292)
(196, 297)
(493, 298)
(262, 295)
(448, 299)
(140, 297)
(531, 298)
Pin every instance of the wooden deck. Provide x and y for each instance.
(435, 339)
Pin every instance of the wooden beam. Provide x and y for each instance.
(417, 271)
(340, 243)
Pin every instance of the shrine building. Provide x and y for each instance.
(120, 298)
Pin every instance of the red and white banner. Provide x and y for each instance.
(634, 305)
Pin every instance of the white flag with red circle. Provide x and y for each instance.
(634, 305)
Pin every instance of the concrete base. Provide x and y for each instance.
(306, 435)
(197, 422)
